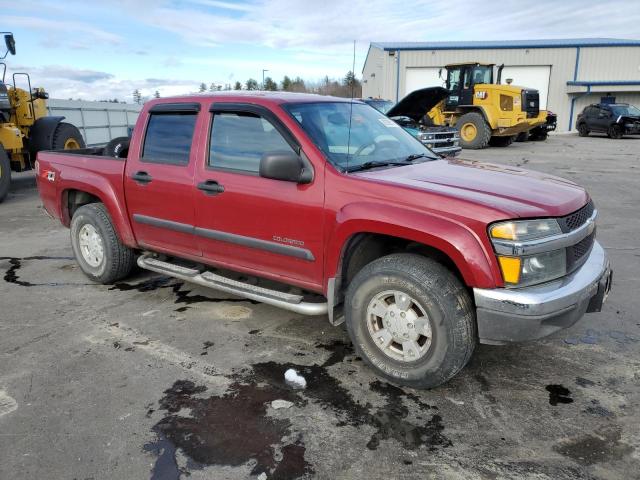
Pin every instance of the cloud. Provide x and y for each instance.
(67, 82)
(59, 30)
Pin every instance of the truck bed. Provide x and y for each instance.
(58, 173)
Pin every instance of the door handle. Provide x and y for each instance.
(141, 177)
(210, 187)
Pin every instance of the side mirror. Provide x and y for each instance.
(285, 166)
(10, 42)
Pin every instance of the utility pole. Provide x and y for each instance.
(263, 70)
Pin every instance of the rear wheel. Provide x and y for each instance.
(67, 137)
(5, 174)
(411, 320)
(522, 137)
(583, 131)
(539, 135)
(98, 250)
(615, 131)
(502, 141)
(474, 131)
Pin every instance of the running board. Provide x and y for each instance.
(287, 301)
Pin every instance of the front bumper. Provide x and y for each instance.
(516, 315)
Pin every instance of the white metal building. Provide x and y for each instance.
(98, 122)
(569, 73)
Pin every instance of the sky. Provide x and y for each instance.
(96, 50)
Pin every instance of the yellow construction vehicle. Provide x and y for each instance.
(486, 113)
(25, 127)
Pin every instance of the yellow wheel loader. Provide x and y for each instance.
(486, 113)
(25, 127)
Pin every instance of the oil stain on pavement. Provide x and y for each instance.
(235, 428)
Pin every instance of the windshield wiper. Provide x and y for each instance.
(415, 156)
(374, 164)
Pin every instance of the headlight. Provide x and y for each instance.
(540, 268)
(528, 269)
(524, 230)
(426, 136)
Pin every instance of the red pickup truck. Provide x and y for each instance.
(333, 209)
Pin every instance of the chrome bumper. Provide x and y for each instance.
(515, 315)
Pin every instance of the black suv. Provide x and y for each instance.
(614, 119)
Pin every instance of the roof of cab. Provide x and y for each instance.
(246, 95)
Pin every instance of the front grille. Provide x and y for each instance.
(576, 219)
(577, 254)
(531, 103)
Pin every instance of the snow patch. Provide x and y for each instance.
(294, 380)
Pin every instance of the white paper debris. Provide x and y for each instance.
(294, 380)
(262, 476)
(278, 404)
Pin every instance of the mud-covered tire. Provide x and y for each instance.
(117, 259)
(583, 131)
(482, 129)
(67, 137)
(443, 298)
(615, 132)
(118, 147)
(5, 174)
(502, 141)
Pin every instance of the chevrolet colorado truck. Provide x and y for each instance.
(324, 206)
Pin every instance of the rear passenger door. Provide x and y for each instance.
(159, 180)
(252, 223)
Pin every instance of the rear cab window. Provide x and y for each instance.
(169, 134)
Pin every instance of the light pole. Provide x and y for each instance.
(263, 70)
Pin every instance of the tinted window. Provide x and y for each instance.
(168, 138)
(238, 141)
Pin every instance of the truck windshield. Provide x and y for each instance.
(370, 139)
(381, 105)
(482, 74)
(625, 110)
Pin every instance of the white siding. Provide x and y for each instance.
(98, 122)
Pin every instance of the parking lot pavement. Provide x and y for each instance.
(153, 378)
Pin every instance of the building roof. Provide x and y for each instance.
(491, 44)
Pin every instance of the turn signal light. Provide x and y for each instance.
(510, 267)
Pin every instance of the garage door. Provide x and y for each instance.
(417, 78)
(534, 76)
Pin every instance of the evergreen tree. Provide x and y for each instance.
(156, 94)
(237, 86)
(270, 85)
(203, 87)
(252, 84)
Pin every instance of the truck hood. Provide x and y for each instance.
(515, 192)
(418, 102)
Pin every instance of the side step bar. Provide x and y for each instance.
(283, 300)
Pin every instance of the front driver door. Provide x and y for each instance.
(251, 223)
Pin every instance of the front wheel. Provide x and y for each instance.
(615, 132)
(474, 131)
(98, 250)
(411, 320)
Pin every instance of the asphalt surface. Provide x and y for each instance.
(153, 378)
